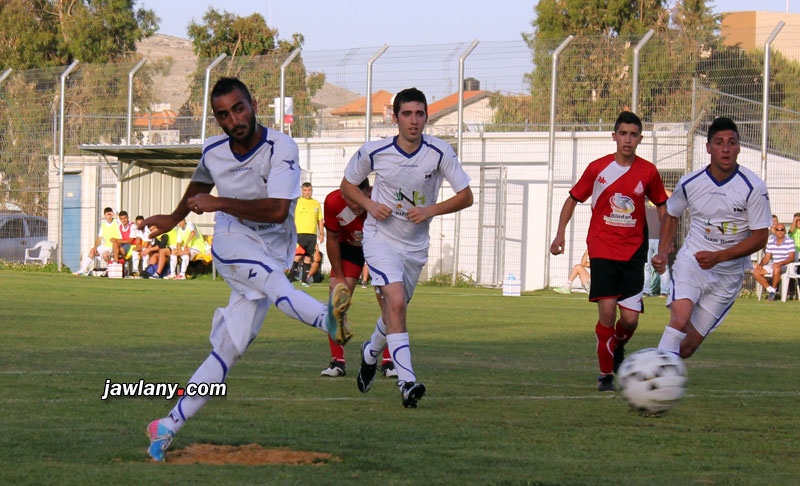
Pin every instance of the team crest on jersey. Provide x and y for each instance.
(622, 208)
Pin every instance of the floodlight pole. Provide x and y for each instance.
(459, 148)
(283, 85)
(636, 50)
(205, 95)
(765, 101)
(368, 113)
(130, 99)
(60, 251)
(551, 161)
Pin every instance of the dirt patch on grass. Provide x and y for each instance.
(249, 454)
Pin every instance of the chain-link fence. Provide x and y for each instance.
(683, 84)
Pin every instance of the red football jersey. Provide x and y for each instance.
(617, 228)
(341, 219)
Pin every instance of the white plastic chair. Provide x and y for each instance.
(792, 271)
(45, 248)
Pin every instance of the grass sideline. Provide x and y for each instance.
(510, 400)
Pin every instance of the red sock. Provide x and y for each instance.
(337, 352)
(387, 357)
(622, 334)
(605, 348)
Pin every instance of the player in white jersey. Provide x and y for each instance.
(257, 177)
(409, 169)
(730, 219)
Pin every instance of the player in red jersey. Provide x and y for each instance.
(617, 239)
(344, 223)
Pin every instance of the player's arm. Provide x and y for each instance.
(746, 247)
(165, 222)
(669, 228)
(335, 257)
(321, 229)
(353, 193)
(267, 210)
(557, 247)
(461, 200)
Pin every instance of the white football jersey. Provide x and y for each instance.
(270, 170)
(723, 213)
(404, 181)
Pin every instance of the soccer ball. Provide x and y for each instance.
(652, 381)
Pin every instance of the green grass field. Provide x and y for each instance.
(511, 392)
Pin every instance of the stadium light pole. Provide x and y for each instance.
(369, 91)
(551, 156)
(636, 51)
(459, 148)
(60, 251)
(765, 101)
(205, 95)
(283, 85)
(131, 74)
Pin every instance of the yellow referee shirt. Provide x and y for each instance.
(306, 215)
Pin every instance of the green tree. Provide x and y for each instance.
(255, 55)
(42, 33)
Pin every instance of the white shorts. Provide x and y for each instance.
(101, 249)
(243, 260)
(388, 264)
(713, 294)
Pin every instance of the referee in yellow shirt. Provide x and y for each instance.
(308, 221)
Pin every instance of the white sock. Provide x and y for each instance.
(294, 302)
(376, 342)
(85, 265)
(146, 262)
(184, 264)
(400, 350)
(135, 261)
(770, 289)
(213, 370)
(671, 340)
(173, 262)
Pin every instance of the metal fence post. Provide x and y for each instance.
(60, 251)
(460, 147)
(636, 50)
(283, 85)
(368, 113)
(765, 101)
(205, 96)
(130, 99)
(551, 156)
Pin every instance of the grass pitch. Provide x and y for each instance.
(511, 392)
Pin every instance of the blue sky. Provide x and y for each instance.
(328, 24)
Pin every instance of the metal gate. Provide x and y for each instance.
(492, 225)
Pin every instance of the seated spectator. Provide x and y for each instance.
(121, 246)
(190, 244)
(780, 251)
(314, 273)
(794, 232)
(158, 249)
(141, 241)
(103, 246)
(580, 270)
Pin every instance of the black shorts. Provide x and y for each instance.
(618, 279)
(308, 242)
(352, 254)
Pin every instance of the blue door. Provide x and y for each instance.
(72, 221)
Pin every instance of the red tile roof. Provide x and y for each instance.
(155, 121)
(380, 100)
(450, 103)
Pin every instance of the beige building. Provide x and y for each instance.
(750, 30)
